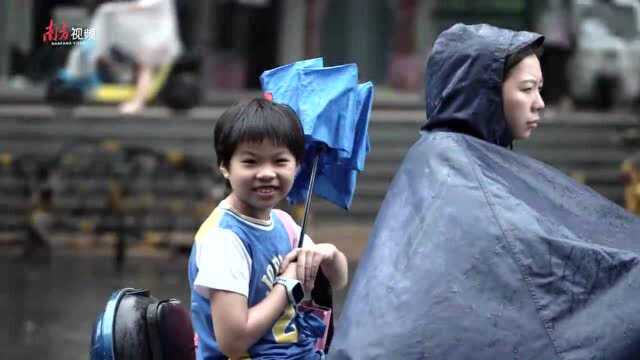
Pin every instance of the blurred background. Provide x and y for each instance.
(93, 199)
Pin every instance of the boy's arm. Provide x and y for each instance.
(238, 327)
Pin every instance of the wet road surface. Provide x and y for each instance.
(49, 307)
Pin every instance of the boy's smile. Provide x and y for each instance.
(260, 174)
(266, 191)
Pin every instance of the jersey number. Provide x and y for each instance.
(279, 329)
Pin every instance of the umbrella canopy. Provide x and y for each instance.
(334, 111)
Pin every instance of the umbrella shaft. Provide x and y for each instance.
(307, 204)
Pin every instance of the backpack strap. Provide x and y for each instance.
(289, 225)
(153, 330)
(169, 331)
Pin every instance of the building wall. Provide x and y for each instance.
(292, 31)
(358, 31)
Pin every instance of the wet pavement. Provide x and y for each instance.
(49, 307)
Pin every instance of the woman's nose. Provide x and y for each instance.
(538, 103)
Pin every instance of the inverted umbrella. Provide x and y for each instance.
(334, 111)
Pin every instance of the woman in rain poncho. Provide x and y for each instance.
(479, 252)
(147, 30)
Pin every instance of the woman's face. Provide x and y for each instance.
(522, 102)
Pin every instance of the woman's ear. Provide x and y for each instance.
(224, 171)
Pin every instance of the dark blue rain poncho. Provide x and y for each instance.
(482, 253)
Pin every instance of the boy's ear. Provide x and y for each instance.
(224, 171)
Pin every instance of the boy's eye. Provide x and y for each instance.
(282, 161)
(248, 161)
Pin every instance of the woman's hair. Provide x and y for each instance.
(515, 58)
(255, 121)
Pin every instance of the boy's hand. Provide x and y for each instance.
(307, 261)
(290, 272)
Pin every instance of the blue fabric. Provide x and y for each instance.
(86, 84)
(89, 80)
(479, 252)
(264, 247)
(279, 80)
(312, 326)
(334, 111)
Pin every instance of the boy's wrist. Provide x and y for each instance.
(293, 289)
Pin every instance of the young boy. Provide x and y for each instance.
(245, 278)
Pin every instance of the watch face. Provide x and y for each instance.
(298, 293)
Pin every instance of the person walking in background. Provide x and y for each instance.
(144, 30)
(557, 24)
(39, 225)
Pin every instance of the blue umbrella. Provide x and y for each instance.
(334, 111)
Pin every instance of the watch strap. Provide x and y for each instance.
(288, 285)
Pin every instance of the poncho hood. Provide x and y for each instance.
(463, 80)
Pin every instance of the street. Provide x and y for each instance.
(50, 307)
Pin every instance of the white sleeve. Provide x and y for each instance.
(223, 263)
(147, 3)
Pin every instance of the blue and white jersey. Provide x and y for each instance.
(233, 253)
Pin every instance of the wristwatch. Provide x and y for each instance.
(295, 293)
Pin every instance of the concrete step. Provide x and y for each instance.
(362, 210)
(384, 98)
(584, 144)
(579, 158)
(13, 222)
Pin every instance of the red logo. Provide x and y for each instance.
(52, 33)
(65, 35)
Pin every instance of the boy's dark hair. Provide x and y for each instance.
(255, 121)
(515, 58)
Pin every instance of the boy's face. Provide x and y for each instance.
(260, 174)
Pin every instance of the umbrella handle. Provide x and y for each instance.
(307, 204)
